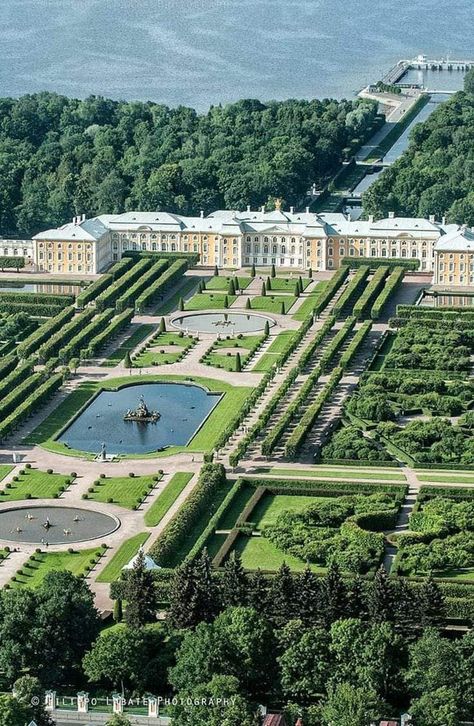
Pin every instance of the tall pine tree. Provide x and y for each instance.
(381, 597)
(308, 593)
(282, 596)
(334, 597)
(234, 583)
(141, 594)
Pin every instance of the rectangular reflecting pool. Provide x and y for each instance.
(182, 407)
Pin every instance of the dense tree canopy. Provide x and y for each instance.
(436, 174)
(61, 156)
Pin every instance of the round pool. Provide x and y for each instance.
(54, 525)
(222, 322)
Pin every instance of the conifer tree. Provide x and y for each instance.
(258, 591)
(381, 599)
(248, 305)
(216, 271)
(253, 272)
(297, 290)
(200, 287)
(231, 288)
(269, 283)
(334, 598)
(226, 302)
(234, 583)
(357, 598)
(282, 596)
(264, 290)
(162, 328)
(310, 273)
(127, 361)
(193, 594)
(273, 271)
(238, 363)
(308, 595)
(266, 330)
(207, 589)
(181, 304)
(141, 594)
(282, 308)
(118, 610)
(431, 603)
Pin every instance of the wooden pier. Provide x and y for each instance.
(422, 63)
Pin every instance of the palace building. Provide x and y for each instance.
(237, 239)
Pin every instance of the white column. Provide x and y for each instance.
(50, 700)
(117, 703)
(82, 702)
(152, 707)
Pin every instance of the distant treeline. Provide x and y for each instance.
(60, 156)
(436, 173)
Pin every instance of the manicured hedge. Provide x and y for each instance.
(374, 262)
(31, 404)
(44, 332)
(196, 506)
(326, 488)
(355, 344)
(83, 337)
(373, 288)
(116, 325)
(9, 382)
(7, 364)
(120, 267)
(392, 284)
(309, 417)
(352, 290)
(420, 312)
(36, 310)
(336, 343)
(11, 263)
(108, 297)
(157, 288)
(317, 340)
(93, 290)
(127, 299)
(66, 333)
(19, 393)
(331, 288)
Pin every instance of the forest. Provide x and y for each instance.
(60, 156)
(436, 173)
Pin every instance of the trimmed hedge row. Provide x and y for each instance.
(54, 342)
(317, 340)
(93, 290)
(327, 487)
(39, 298)
(331, 288)
(108, 297)
(355, 344)
(44, 332)
(352, 290)
(360, 462)
(420, 312)
(116, 325)
(7, 364)
(299, 434)
(11, 263)
(393, 283)
(30, 405)
(336, 343)
(10, 401)
(196, 506)
(214, 521)
(374, 262)
(370, 292)
(150, 276)
(14, 378)
(120, 267)
(156, 289)
(82, 338)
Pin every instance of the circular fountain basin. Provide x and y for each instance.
(222, 323)
(66, 524)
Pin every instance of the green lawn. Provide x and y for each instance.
(272, 505)
(5, 469)
(222, 283)
(140, 333)
(309, 301)
(62, 414)
(337, 473)
(167, 497)
(126, 491)
(232, 400)
(272, 303)
(37, 567)
(123, 555)
(35, 484)
(259, 552)
(454, 478)
(209, 301)
(156, 353)
(287, 284)
(277, 346)
(216, 355)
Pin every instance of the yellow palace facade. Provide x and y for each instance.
(231, 239)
